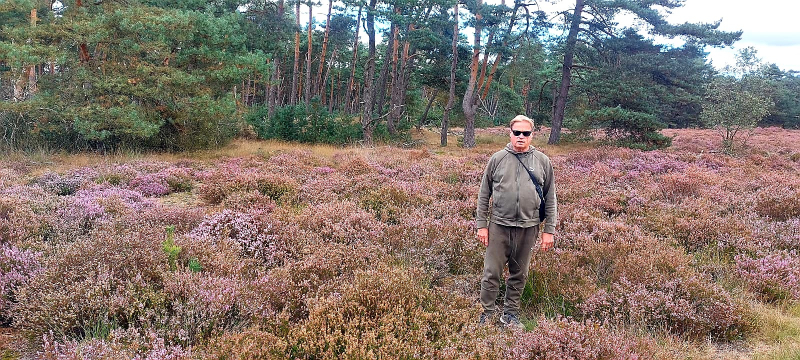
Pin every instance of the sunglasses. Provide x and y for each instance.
(524, 133)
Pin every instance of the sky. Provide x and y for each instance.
(772, 27)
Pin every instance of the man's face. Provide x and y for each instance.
(521, 142)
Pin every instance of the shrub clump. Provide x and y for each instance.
(565, 338)
(775, 276)
(383, 313)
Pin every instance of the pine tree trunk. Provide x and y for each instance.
(307, 95)
(383, 79)
(349, 105)
(427, 108)
(452, 95)
(469, 103)
(485, 62)
(566, 69)
(296, 73)
(396, 81)
(325, 78)
(367, 124)
(488, 83)
(317, 90)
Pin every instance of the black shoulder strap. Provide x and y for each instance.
(538, 187)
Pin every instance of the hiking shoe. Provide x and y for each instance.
(511, 321)
(485, 318)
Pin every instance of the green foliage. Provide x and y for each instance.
(628, 128)
(638, 75)
(733, 106)
(294, 123)
(170, 248)
(151, 77)
(194, 265)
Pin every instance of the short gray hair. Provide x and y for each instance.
(520, 118)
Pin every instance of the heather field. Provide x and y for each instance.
(267, 250)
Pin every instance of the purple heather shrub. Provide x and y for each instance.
(89, 208)
(287, 291)
(777, 235)
(201, 306)
(324, 170)
(179, 178)
(779, 199)
(565, 338)
(689, 305)
(775, 276)
(294, 161)
(244, 201)
(255, 233)
(152, 184)
(60, 185)
(120, 344)
(248, 344)
(342, 222)
(443, 245)
(17, 266)
(112, 277)
(26, 213)
(118, 174)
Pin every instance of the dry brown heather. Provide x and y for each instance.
(268, 250)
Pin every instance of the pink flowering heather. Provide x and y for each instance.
(153, 184)
(253, 232)
(688, 306)
(120, 345)
(775, 276)
(16, 267)
(202, 305)
(565, 338)
(371, 253)
(60, 185)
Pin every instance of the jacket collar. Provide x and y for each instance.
(510, 149)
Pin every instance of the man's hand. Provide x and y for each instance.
(483, 236)
(547, 241)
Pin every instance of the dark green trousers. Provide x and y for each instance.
(507, 245)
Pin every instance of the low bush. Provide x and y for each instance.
(565, 338)
(775, 276)
(295, 123)
(383, 313)
(629, 128)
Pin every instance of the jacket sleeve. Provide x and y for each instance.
(482, 216)
(551, 201)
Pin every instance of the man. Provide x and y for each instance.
(512, 230)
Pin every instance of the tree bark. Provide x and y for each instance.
(349, 105)
(274, 85)
(296, 73)
(324, 84)
(452, 95)
(367, 124)
(485, 62)
(566, 69)
(397, 69)
(383, 78)
(318, 83)
(511, 24)
(427, 108)
(469, 103)
(307, 96)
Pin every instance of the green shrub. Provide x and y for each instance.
(628, 128)
(295, 123)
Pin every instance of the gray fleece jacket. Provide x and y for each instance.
(514, 198)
